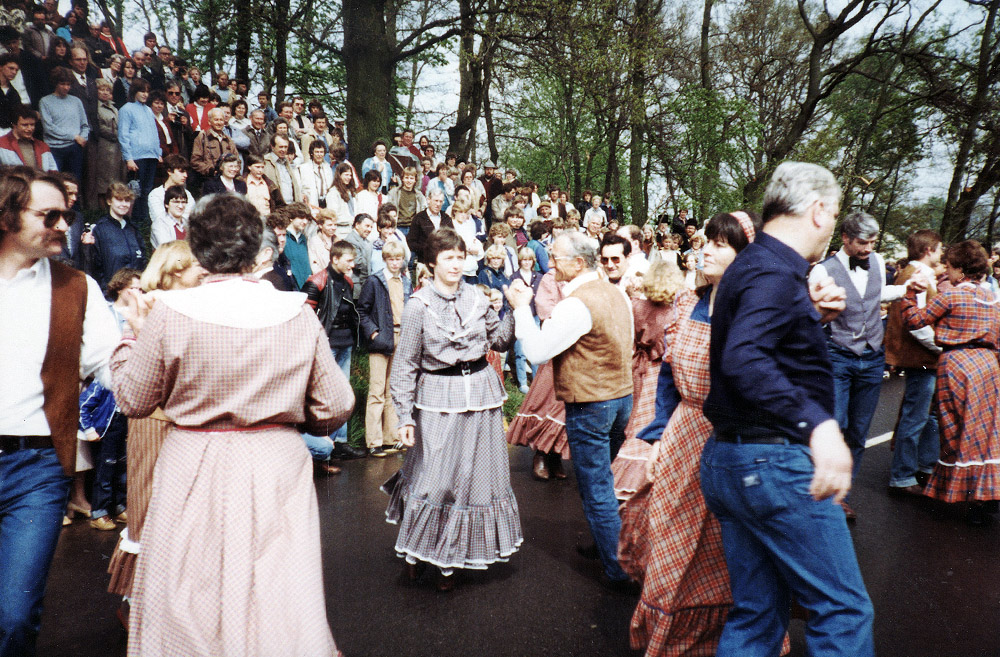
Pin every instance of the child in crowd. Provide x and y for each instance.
(369, 199)
(387, 232)
(498, 235)
(320, 242)
(380, 307)
(492, 274)
(697, 248)
(106, 428)
(423, 276)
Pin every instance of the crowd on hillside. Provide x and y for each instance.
(712, 383)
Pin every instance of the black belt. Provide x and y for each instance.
(17, 443)
(461, 369)
(754, 440)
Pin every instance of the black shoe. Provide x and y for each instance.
(991, 506)
(922, 478)
(377, 452)
(346, 452)
(588, 551)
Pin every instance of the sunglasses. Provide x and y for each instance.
(615, 259)
(51, 217)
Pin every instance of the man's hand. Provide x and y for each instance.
(518, 294)
(132, 166)
(80, 140)
(373, 335)
(832, 460)
(828, 298)
(918, 283)
(406, 435)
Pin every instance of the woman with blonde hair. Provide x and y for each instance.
(172, 267)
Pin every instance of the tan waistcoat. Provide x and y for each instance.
(599, 366)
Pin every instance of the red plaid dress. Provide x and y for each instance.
(629, 466)
(966, 322)
(669, 539)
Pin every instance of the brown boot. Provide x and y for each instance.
(538, 468)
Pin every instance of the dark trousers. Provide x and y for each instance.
(109, 469)
(33, 492)
(69, 159)
(140, 209)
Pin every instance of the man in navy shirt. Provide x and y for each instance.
(777, 454)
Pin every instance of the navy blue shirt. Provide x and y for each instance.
(770, 371)
(116, 247)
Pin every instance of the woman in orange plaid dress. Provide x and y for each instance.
(670, 541)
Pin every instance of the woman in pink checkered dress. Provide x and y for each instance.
(669, 540)
(966, 320)
(230, 563)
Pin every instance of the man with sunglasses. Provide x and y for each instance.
(55, 329)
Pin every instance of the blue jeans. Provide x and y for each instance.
(140, 209)
(520, 364)
(109, 469)
(596, 431)
(857, 381)
(70, 159)
(780, 542)
(320, 447)
(917, 441)
(33, 492)
(343, 357)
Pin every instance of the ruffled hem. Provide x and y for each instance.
(629, 467)
(121, 567)
(542, 434)
(965, 483)
(687, 632)
(449, 536)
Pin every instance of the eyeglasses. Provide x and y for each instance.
(173, 93)
(51, 217)
(179, 201)
(615, 259)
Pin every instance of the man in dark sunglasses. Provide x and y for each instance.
(43, 356)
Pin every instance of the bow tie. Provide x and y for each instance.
(855, 262)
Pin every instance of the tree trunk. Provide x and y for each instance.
(244, 37)
(704, 59)
(370, 71)
(281, 34)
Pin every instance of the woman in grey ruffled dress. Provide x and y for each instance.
(452, 498)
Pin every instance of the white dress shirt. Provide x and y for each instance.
(569, 322)
(860, 276)
(25, 307)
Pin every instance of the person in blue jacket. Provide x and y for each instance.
(117, 242)
(139, 140)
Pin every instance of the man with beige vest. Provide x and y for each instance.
(916, 440)
(589, 339)
(55, 329)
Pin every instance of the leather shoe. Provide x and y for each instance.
(922, 478)
(446, 583)
(346, 452)
(913, 489)
(538, 469)
(122, 517)
(377, 452)
(415, 571)
(588, 551)
(104, 524)
(848, 512)
(325, 468)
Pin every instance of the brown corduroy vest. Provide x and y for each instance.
(61, 367)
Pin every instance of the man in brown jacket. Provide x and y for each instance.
(55, 328)
(916, 438)
(589, 339)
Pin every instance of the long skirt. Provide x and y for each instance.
(145, 437)
(230, 563)
(968, 387)
(452, 498)
(541, 421)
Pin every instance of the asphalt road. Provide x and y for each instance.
(934, 581)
